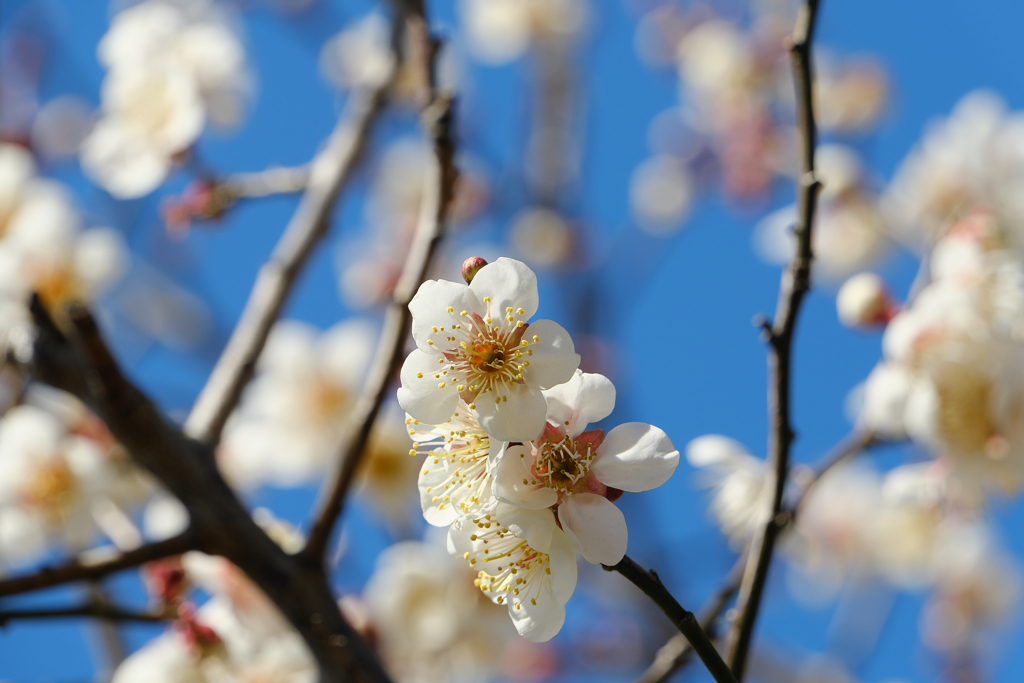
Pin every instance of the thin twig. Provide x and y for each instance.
(676, 652)
(88, 610)
(272, 181)
(328, 172)
(439, 186)
(82, 570)
(795, 284)
(684, 620)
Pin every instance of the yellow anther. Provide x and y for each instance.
(430, 343)
(536, 339)
(419, 375)
(441, 385)
(450, 309)
(487, 299)
(465, 555)
(434, 328)
(520, 311)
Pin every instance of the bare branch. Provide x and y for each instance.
(328, 172)
(88, 610)
(272, 181)
(685, 621)
(795, 283)
(676, 652)
(83, 570)
(438, 190)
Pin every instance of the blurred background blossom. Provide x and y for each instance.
(590, 135)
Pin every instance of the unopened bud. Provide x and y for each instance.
(864, 301)
(472, 266)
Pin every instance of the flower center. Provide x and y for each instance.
(513, 571)
(560, 466)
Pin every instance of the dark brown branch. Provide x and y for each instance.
(685, 621)
(79, 570)
(328, 172)
(676, 652)
(438, 190)
(795, 284)
(89, 610)
(220, 524)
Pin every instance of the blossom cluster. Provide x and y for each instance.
(172, 65)
(500, 409)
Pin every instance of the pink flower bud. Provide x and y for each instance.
(864, 301)
(470, 267)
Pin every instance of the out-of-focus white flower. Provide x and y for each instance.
(455, 479)
(525, 561)
(974, 158)
(429, 621)
(864, 302)
(359, 56)
(474, 342)
(294, 413)
(849, 234)
(885, 398)
(541, 236)
(500, 31)
(238, 636)
(977, 587)
(387, 474)
(848, 97)
(172, 66)
(150, 114)
(738, 480)
(59, 463)
(577, 471)
(660, 194)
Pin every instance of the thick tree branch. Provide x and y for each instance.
(437, 195)
(685, 621)
(83, 570)
(328, 172)
(795, 283)
(220, 524)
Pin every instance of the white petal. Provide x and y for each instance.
(714, 450)
(429, 310)
(514, 482)
(635, 457)
(520, 418)
(421, 394)
(554, 359)
(885, 400)
(595, 526)
(433, 477)
(509, 284)
(538, 623)
(584, 399)
(536, 526)
(562, 557)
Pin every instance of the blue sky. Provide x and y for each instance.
(691, 361)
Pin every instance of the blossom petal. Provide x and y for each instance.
(584, 399)
(540, 622)
(596, 527)
(714, 450)
(553, 358)
(635, 457)
(424, 393)
(514, 482)
(536, 526)
(431, 320)
(519, 417)
(509, 284)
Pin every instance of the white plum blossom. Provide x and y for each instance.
(172, 67)
(474, 343)
(429, 622)
(864, 301)
(60, 468)
(524, 561)
(579, 471)
(295, 412)
(738, 480)
(455, 479)
(500, 31)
